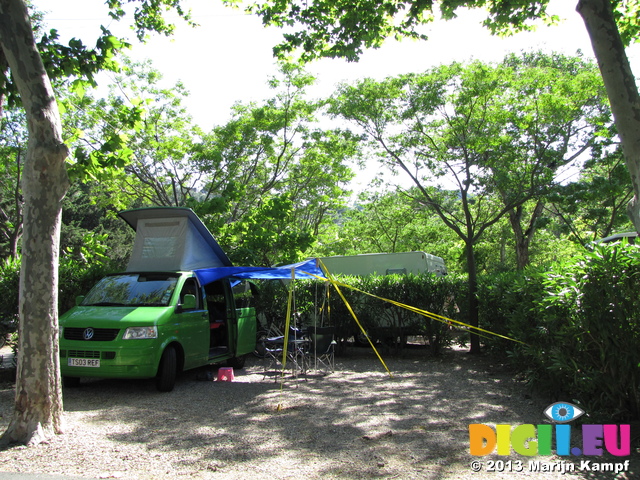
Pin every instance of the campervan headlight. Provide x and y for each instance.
(136, 333)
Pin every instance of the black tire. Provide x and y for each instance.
(237, 362)
(360, 339)
(261, 348)
(168, 370)
(70, 382)
(3, 340)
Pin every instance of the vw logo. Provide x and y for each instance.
(88, 334)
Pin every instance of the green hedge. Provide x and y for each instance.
(384, 323)
(9, 285)
(580, 324)
(75, 279)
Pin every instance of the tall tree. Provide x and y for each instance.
(13, 145)
(454, 127)
(612, 25)
(160, 169)
(272, 154)
(343, 28)
(593, 207)
(26, 76)
(557, 104)
(38, 406)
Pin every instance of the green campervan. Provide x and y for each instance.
(156, 318)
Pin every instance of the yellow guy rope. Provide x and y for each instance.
(419, 311)
(434, 316)
(335, 284)
(286, 334)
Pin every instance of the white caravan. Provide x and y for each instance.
(385, 264)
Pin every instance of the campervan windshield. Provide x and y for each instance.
(133, 289)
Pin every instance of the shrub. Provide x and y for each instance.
(9, 286)
(579, 322)
(74, 279)
(320, 303)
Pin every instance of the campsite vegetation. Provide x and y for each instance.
(272, 183)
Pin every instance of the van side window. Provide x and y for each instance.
(190, 287)
(243, 294)
(216, 301)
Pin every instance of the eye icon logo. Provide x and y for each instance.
(563, 412)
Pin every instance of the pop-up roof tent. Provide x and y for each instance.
(175, 239)
(171, 239)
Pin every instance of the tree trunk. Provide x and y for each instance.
(523, 237)
(472, 273)
(620, 85)
(38, 403)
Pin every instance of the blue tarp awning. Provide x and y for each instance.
(308, 269)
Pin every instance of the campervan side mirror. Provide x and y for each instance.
(79, 299)
(189, 303)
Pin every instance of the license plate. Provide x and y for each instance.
(83, 362)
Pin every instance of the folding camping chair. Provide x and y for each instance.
(295, 358)
(321, 348)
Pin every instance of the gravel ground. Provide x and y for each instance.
(355, 423)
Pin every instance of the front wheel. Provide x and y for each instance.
(237, 362)
(168, 370)
(70, 382)
(3, 340)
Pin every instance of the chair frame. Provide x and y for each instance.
(326, 357)
(295, 358)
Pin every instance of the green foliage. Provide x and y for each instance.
(271, 178)
(344, 29)
(386, 222)
(77, 279)
(505, 307)
(595, 206)
(495, 135)
(148, 15)
(580, 322)
(91, 232)
(73, 64)
(9, 283)
(340, 28)
(268, 235)
(627, 16)
(479, 140)
(13, 147)
(384, 323)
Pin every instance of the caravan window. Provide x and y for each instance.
(133, 289)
